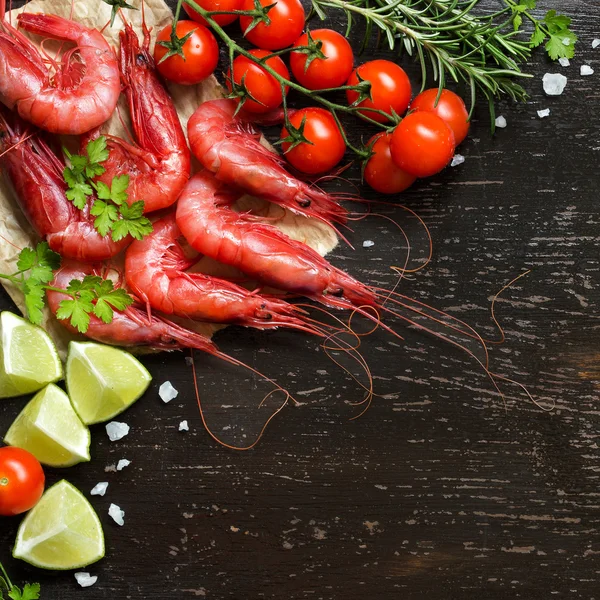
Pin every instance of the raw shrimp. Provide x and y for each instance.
(206, 220)
(155, 270)
(84, 89)
(36, 175)
(131, 327)
(159, 165)
(229, 148)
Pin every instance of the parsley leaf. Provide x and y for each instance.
(106, 215)
(97, 152)
(41, 262)
(109, 298)
(132, 222)
(34, 301)
(31, 591)
(118, 189)
(77, 311)
(561, 42)
(78, 193)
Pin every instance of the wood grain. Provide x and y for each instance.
(442, 490)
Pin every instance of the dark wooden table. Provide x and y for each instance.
(442, 489)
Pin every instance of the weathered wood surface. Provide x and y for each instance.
(441, 490)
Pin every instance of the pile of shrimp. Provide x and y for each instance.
(193, 214)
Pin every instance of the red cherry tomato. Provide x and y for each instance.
(321, 73)
(422, 144)
(327, 147)
(286, 24)
(390, 88)
(214, 5)
(381, 172)
(450, 107)
(200, 50)
(21, 481)
(259, 83)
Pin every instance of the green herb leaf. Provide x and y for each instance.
(34, 301)
(106, 215)
(78, 193)
(537, 37)
(97, 151)
(31, 591)
(109, 298)
(132, 222)
(116, 6)
(41, 262)
(118, 189)
(77, 311)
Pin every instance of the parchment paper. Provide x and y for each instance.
(15, 232)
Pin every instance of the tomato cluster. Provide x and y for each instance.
(420, 145)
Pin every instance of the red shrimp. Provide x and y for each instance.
(131, 327)
(35, 173)
(159, 165)
(84, 89)
(156, 271)
(230, 149)
(263, 252)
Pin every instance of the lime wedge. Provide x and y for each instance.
(61, 532)
(51, 430)
(103, 381)
(28, 358)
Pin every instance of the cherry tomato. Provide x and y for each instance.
(422, 144)
(260, 84)
(200, 50)
(450, 107)
(390, 88)
(327, 147)
(286, 24)
(381, 172)
(21, 481)
(214, 5)
(321, 73)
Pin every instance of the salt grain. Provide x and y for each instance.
(183, 426)
(566, 41)
(167, 392)
(117, 514)
(116, 430)
(99, 489)
(595, 43)
(500, 122)
(554, 83)
(189, 361)
(122, 464)
(545, 112)
(457, 159)
(85, 579)
(586, 70)
(564, 62)
(368, 243)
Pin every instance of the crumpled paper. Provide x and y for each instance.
(15, 232)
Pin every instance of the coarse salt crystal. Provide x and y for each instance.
(167, 392)
(545, 112)
(368, 243)
(586, 70)
(99, 489)
(554, 84)
(116, 430)
(564, 62)
(500, 122)
(183, 426)
(189, 361)
(566, 41)
(117, 514)
(457, 159)
(595, 43)
(85, 579)
(122, 464)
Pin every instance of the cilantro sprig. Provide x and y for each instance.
(30, 591)
(111, 209)
(552, 29)
(92, 295)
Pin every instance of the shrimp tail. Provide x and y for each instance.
(48, 25)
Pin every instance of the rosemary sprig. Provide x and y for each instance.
(452, 42)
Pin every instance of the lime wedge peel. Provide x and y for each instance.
(61, 532)
(50, 429)
(28, 357)
(103, 381)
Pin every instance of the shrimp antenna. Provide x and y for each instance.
(236, 362)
